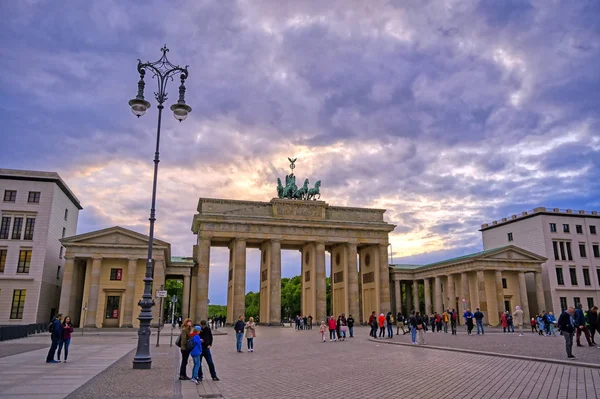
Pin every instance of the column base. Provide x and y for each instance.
(126, 325)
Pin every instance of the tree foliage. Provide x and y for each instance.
(173, 288)
(252, 305)
(217, 311)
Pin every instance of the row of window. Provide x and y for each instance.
(18, 232)
(576, 301)
(32, 198)
(23, 264)
(567, 229)
(560, 279)
(559, 248)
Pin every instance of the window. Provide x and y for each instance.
(10, 195)
(29, 226)
(58, 272)
(34, 197)
(507, 306)
(576, 301)
(579, 229)
(586, 277)
(569, 254)
(60, 253)
(590, 302)
(504, 284)
(596, 250)
(24, 261)
(18, 303)
(116, 274)
(563, 303)
(510, 237)
(17, 227)
(555, 246)
(582, 251)
(3, 260)
(66, 214)
(562, 251)
(4, 228)
(592, 229)
(64, 232)
(598, 275)
(112, 307)
(559, 276)
(566, 228)
(573, 274)
(553, 227)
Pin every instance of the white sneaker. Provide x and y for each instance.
(251, 350)
(520, 335)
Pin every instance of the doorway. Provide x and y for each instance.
(113, 311)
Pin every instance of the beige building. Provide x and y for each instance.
(36, 211)
(568, 239)
(493, 281)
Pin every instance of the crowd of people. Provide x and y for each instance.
(303, 322)
(339, 329)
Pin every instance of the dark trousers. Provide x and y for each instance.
(211, 366)
(568, 342)
(185, 355)
(585, 331)
(52, 351)
(593, 329)
(453, 327)
(381, 331)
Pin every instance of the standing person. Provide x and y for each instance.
(566, 325)
(186, 330)
(67, 330)
(453, 320)
(179, 321)
(374, 326)
(196, 353)
(510, 323)
(479, 320)
(420, 333)
(468, 315)
(371, 318)
(55, 336)
(400, 324)
(552, 324)
(504, 322)
(389, 319)
(310, 319)
(207, 341)
(381, 321)
(412, 322)
(533, 325)
(239, 333)
(250, 334)
(332, 329)
(580, 325)
(592, 317)
(350, 323)
(518, 319)
(323, 330)
(446, 319)
(343, 328)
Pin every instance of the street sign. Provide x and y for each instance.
(161, 294)
(173, 298)
(463, 300)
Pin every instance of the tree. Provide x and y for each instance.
(291, 296)
(252, 305)
(217, 311)
(173, 288)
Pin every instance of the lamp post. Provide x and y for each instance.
(163, 71)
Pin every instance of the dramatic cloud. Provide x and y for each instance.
(447, 113)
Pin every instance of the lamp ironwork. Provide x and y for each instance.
(163, 71)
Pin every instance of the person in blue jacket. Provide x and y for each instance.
(468, 315)
(55, 335)
(196, 353)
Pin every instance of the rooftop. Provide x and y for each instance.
(451, 260)
(539, 211)
(32, 175)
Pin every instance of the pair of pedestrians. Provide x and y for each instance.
(60, 335)
(245, 329)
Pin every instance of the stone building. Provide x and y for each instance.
(36, 211)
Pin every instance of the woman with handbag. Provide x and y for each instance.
(186, 330)
(250, 334)
(420, 333)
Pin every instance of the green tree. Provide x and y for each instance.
(173, 288)
(216, 311)
(328, 295)
(252, 305)
(291, 296)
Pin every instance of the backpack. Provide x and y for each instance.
(190, 344)
(178, 342)
(391, 319)
(51, 326)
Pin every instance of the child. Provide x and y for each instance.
(323, 330)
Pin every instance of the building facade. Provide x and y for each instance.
(36, 211)
(568, 239)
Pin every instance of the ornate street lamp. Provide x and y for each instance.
(163, 71)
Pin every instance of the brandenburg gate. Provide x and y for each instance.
(356, 238)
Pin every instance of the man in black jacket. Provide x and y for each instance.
(592, 319)
(207, 340)
(567, 329)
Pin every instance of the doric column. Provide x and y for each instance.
(239, 280)
(129, 299)
(451, 293)
(353, 297)
(416, 304)
(201, 311)
(384, 280)
(427, 294)
(524, 300)
(539, 292)
(94, 290)
(398, 296)
(185, 300)
(499, 295)
(320, 283)
(437, 293)
(464, 286)
(275, 284)
(482, 294)
(67, 283)
(409, 306)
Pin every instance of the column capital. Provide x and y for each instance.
(70, 257)
(203, 239)
(133, 259)
(96, 257)
(275, 240)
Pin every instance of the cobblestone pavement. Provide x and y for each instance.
(9, 348)
(530, 345)
(296, 364)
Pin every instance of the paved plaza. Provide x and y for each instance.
(296, 364)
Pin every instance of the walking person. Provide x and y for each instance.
(186, 331)
(468, 316)
(67, 330)
(350, 322)
(518, 319)
(55, 329)
(400, 323)
(592, 318)
(580, 326)
(332, 329)
(412, 322)
(566, 326)
(453, 320)
(323, 330)
(250, 334)
(552, 324)
(420, 333)
(478, 316)
(239, 333)
(196, 353)
(207, 341)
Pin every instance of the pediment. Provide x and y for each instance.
(112, 236)
(513, 253)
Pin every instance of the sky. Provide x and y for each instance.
(448, 114)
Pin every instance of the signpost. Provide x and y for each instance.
(160, 294)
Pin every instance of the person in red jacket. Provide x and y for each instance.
(381, 321)
(331, 323)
